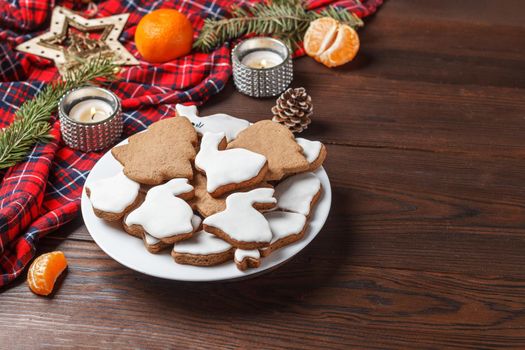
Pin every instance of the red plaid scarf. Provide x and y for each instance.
(43, 193)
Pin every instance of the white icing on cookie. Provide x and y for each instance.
(241, 254)
(162, 214)
(202, 243)
(150, 240)
(240, 220)
(284, 224)
(228, 166)
(114, 194)
(296, 193)
(195, 223)
(220, 122)
(311, 149)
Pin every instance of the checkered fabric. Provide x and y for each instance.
(43, 193)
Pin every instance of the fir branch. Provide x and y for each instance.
(342, 16)
(31, 121)
(285, 19)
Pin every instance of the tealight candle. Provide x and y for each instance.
(262, 59)
(90, 111)
(262, 67)
(90, 118)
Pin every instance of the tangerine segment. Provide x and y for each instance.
(44, 272)
(344, 48)
(163, 35)
(319, 36)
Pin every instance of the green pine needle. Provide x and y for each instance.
(284, 19)
(31, 121)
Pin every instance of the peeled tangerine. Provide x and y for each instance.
(330, 42)
(44, 272)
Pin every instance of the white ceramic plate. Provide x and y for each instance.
(130, 251)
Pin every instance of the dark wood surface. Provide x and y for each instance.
(425, 243)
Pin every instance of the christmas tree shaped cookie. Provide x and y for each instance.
(161, 153)
(277, 144)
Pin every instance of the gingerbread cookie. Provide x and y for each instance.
(155, 245)
(314, 151)
(240, 224)
(286, 228)
(161, 153)
(221, 122)
(228, 170)
(203, 249)
(113, 197)
(277, 144)
(207, 205)
(138, 203)
(245, 259)
(298, 193)
(164, 214)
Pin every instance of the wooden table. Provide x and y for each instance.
(425, 243)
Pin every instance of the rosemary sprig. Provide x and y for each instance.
(284, 19)
(31, 121)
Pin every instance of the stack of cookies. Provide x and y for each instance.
(212, 189)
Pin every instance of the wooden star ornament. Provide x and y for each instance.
(72, 38)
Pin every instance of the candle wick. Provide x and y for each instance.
(94, 112)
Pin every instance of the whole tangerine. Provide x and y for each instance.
(163, 35)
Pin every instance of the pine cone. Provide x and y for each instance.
(293, 109)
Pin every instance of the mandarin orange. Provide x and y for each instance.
(163, 35)
(320, 35)
(44, 272)
(330, 42)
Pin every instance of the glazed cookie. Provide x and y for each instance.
(138, 203)
(228, 170)
(161, 153)
(164, 214)
(240, 224)
(314, 151)
(221, 122)
(245, 259)
(113, 197)
(286, 228)
(277, 144)
(154, 245)
(207, 205)
(203, 249)
(298, 193)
